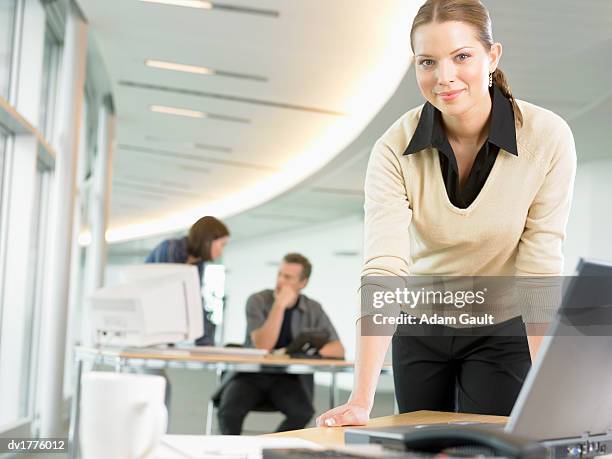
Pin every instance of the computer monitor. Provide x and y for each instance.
(157, 303)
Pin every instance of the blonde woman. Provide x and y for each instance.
(472, 183)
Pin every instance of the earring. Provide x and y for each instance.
(490, 79)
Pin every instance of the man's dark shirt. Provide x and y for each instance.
(284, 336)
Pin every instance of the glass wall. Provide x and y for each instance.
(26, 181)
(7, 22)
(34, 288)
(2, 156)
(51, 69)
(3, 217)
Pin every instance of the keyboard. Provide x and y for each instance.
(299, 453)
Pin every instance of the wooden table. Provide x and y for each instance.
(334, 436)
(120, 357)
(126, 358)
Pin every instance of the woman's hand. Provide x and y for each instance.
(349, 414)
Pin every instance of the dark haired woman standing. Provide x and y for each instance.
(473, 183)
(205, 242)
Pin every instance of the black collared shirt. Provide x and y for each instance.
(285, 336)
(502, 135)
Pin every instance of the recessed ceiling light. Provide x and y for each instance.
(179, 67)
(188, 144)
(190, 168)
(177, 111)
(207, 5)
(188, 3)
(197, 114)
(199, 70)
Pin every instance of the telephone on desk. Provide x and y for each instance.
(455, 440)
(307, 344)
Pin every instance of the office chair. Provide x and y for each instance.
(213, 404)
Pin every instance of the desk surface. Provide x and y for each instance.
(183, 355)
(334, 436)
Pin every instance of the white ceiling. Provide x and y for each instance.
(557, 54)
(316, 57)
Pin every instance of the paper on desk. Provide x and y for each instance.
(166, 351)
(223, 446)
(237, 351)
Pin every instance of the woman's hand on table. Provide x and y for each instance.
(349, 414)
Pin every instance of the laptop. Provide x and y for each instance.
(567, 394)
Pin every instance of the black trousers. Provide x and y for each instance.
(448, 369)
(247, 391)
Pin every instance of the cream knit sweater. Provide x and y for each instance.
(515, 226)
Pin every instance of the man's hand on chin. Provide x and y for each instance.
(285, 296)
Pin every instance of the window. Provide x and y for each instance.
(51, 67)
(214, 294)
(75, 333)
(2, 156)
(31, 35)
(7, 21)
(34, 288)
(25, 204)
(3, 219)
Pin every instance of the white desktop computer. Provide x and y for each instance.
(158, 303)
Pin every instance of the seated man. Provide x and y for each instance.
(274, 319)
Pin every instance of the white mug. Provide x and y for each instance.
(123, 415)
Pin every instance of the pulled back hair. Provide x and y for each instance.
(201, 235)
(474, 13)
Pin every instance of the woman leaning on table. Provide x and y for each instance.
(472, 183)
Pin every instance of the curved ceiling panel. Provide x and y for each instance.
(222, 109)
